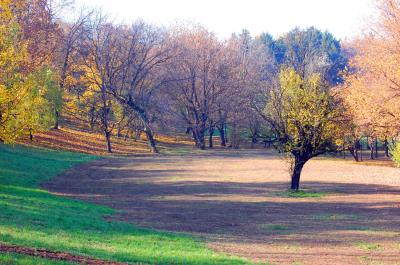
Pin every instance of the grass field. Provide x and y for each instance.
(33, 217)
(237, 201)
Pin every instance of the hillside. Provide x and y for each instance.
(75, 136)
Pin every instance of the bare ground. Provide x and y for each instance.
(237, 202)
(64, 256)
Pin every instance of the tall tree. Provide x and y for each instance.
(97, 55)
(39, 29)
(197, 78)
(44, 98)
(136, 72)
(124, 62)
(23, 103)
(67, 61)
(372, 83)
(304, 117)
(253, 68)
(311, 51)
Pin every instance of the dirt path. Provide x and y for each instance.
(237, 203)
(52, 255)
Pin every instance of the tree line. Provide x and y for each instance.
(304, 92)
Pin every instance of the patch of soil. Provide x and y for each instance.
(64, 256)
(235, 201)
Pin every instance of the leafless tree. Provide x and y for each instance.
(197, 77)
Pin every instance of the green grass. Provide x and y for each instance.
(17, 259)
(275, 227)
(180, 151)
(301, 194)
(368, 246)
(32, 217)
(360, 228)
(335, 217)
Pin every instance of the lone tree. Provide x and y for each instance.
(304, 117)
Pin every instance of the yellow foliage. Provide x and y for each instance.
(303, 114)
(371, 93)
(22, 101)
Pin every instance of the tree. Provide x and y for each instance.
(15, 85)
(372, 83)
(39, 30)
(123, 63)
(395, 152)
(310, 51)
(139, 73)
(304, 116)
(27, 99)
(67, 56)
(43, 102)
(252, 69)
(96, 92)
(197, 76)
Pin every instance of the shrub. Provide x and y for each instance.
(395, 153)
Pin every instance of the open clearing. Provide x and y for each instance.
(237, 202)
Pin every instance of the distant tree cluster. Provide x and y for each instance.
(371, 89)
(302, 92)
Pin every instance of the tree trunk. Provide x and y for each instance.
(201, 144)
(386, 147)
(254, 138)
(371, 146)
(119, 135)
(91, 119)
(297, 168)
(150, 139)
(344, 149)
(145, 120)
(210, 137)
(376, 148)
(199, 134)
(198, 137)
(194, 136)
(126, 134)
(57, 116)
(30, 135)
(108, 140)
(137, 134)
(222, 135)
(354, 150)
(235, 141)
(354, 153)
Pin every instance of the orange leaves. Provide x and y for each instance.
(39, 30)
(372, 92)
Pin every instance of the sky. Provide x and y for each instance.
(344, 18)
